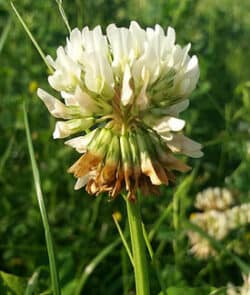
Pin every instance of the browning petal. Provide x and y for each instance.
(85, 164)
(174, 164)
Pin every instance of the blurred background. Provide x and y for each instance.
(82, 226)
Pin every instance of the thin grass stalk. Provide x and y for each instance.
(159, 221)
(48, 237)
(93, 264)
(126, 282)
(125, 244)
(33, 40)
(138, 248)
(5, 33)
(6, 154)
(63, 14)
(153, 259)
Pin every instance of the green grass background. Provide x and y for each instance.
(82, 226)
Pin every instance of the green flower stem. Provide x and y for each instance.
(138, 248)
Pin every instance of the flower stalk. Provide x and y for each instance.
(138, 248)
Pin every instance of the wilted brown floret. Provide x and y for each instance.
(126, 165)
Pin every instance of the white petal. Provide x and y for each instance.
(121, 43)
(94, 41)
(167, 136)
(138, 38)
(99, 75)
(74, 46)
(185, 145)
(69, 98)
(86, 102)
(142, 99)
(127, 92)
(67, 72)
(178, 108)
(169, 124)
(171, 36)
(66, 128)
(80, 143)
(81, 182)
(55, 106)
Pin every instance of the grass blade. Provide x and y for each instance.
(153, 259)
(126, 246)
(48, 236)
(31, 37)
(5, 34)
(6, 154)
(93, 264)
(159, 221)
(63, 14)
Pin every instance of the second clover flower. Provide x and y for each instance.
(123, 91)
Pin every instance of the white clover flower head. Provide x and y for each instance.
(238, 215)
(214, 198)
(214, 223)
(127, 87)
(200, 247)
(242, 290)
(217, 223)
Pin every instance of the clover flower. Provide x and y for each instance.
(243, 290)
(217, 220)
(214, 223)
(123, 92)
(214, 198)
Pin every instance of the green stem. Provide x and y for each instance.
(138, 248)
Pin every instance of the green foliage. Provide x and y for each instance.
(10, 284)
(82, 226)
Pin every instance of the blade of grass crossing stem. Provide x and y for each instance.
(6, 154)
(154, 262)
(181, 191)
(93, 264)
(48, 236)
(5, 34)
(126, 246)
(159, 221)
(179, 195)
(63, 14)
(33, 40)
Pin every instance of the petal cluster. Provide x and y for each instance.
(242, 290)
(123, 92)
(218, 218)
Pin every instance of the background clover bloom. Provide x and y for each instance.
(123, 92)
(218, 217)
